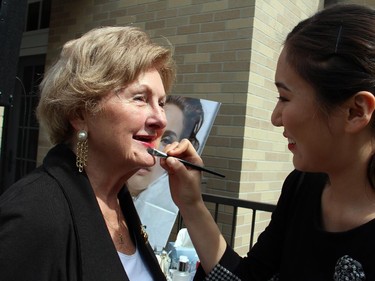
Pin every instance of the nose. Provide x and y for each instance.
(276, 117)
(157, 119)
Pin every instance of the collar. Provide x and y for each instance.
(98, 258)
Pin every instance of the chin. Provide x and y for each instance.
(142, 172)
(147, 162)
(305, 168)
(300, 166)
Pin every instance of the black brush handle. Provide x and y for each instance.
(200, 168)
(158, 153)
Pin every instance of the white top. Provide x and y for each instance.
(157, 211)
(135, 267)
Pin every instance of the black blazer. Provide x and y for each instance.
(51, 227)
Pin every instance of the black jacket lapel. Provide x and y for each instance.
(97, 254)
(135, 227)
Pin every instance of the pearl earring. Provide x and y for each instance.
(82, 150)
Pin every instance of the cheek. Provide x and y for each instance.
(295, 118)
(122, 113)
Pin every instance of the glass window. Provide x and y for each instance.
(32, 16)
(38, 14)
(46, 11)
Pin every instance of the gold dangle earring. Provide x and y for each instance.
(82, 150)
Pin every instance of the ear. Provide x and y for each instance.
(361, 107)
(78, 122)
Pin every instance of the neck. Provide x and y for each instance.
(347, 204)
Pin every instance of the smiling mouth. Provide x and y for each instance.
(147, 140)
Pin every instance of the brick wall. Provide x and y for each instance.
(265, 158)
(226, 51)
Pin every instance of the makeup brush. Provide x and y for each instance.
(161, 154)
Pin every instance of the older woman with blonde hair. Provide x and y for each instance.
(102, 105)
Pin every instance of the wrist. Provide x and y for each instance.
(193, 210)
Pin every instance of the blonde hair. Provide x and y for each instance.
(102, 60)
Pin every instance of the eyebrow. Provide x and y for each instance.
(146, 89)
(141, 87)
(281, 85)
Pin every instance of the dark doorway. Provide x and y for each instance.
(20, 128)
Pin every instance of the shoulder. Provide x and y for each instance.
(299, 189)
(38, 185)
(36, 230)
(35, 201)
(297, 182)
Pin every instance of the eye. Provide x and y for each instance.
(162, 103)
(140, 98)
(168, 139)
(282, 99)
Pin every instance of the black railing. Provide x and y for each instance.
(235, 203)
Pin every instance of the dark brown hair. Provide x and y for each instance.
(193, 117)
(334, 51)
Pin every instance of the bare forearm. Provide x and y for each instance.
(205, 235)
(185, 190)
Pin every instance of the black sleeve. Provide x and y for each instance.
(263, 260)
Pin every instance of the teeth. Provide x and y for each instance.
(290, 141)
